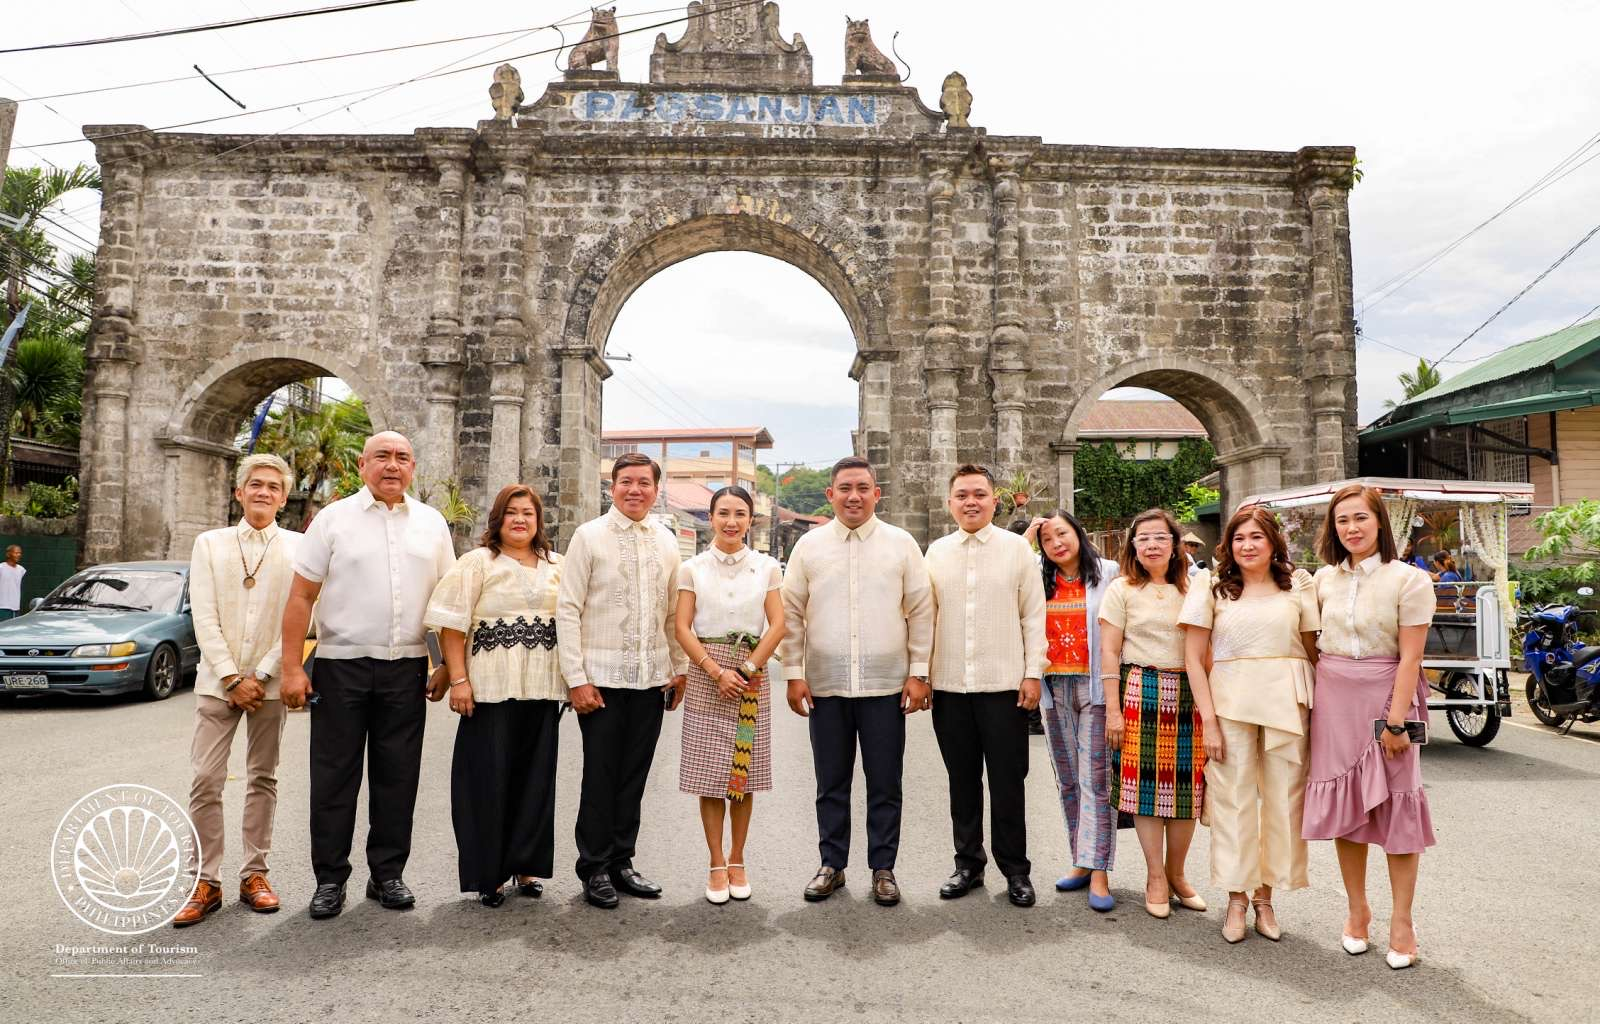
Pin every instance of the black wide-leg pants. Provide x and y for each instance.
(619, 742)
(375, 708)
(978, 731)
(503, 792)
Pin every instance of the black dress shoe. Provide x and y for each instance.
(532, 888)
(328, 900)
(630, 883)
(392, 893)
(1020, 890)
(599, 891)
(492, 899)
(962, 882)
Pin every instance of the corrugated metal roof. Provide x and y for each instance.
(1560, 347)
(1140, 418)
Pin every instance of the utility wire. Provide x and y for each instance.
(1593, 310)
(408, 81)
(1529, 287)
(213, 26)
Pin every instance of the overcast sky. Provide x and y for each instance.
(1455, 111)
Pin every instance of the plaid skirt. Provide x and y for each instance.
(1159, 771)
(709, 722)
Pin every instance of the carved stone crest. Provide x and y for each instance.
(506, 92)
(955, 100)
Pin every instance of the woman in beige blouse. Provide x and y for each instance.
(1365, 783)
(1251, 641)
(495, 613)
(1153, 718)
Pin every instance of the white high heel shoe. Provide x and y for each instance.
(1353, 945)
(738, 892)
(1400, 961)
(717, 896)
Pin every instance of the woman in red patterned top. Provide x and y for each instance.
(1073, 701)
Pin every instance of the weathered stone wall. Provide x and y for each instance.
(464, 283)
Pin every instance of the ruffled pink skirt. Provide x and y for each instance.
(1353, 792)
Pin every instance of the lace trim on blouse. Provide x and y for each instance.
(538, 633)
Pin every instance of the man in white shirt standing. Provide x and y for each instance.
(859, 617)
(238, 583)
(988, 656)
(623, 666)
(373, 559)
(11, 573)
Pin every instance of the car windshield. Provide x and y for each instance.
(125, 590)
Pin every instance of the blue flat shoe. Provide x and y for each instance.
(1072, 883)
(1102, 903)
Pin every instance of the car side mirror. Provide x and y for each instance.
(35, 603)
(1585, 591)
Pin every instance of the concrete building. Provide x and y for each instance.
(694, 464)
(464, 281)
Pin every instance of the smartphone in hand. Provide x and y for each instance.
(1416, 731)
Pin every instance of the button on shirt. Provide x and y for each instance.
(378, 567)
(988, 632)
(614, 613)
(240, 629)
(1363, 607)
(730, 591)
(858, 610)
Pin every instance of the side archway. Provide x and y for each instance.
(1249, 455)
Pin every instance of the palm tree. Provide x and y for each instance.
(47, 372)
(1426, 378)
(319, 445)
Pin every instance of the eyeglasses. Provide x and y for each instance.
(1153, 540)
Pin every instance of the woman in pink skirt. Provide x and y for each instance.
(729, 621)
(1365, 782)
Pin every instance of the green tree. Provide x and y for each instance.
(46, 377)
(1415, 382)
(803, 490)
(321, 446)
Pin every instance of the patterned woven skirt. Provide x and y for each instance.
(710, 725)
(1160, 770)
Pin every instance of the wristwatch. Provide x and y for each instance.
(1395, 730)
(748, 670)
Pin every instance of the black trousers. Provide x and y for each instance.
(978, 731)
(838, 724)
(377, 708)
(619, 742)
(503, 792)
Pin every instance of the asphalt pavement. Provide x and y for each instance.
(1504, 911)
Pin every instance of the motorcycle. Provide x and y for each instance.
(1563, 673)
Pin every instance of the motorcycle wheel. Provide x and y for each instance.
(1540, 709)
(1474, 727)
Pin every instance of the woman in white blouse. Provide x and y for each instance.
(1365, 782)
(729, 621)
(495, 613)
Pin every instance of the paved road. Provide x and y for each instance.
(1505, 908)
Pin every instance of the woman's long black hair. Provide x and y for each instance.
(1088, 557)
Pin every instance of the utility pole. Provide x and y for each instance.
(775, 534)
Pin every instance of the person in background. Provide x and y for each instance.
(1073, 700)
(11, 573)
(858, 611)
(988, 656)
(500, 598)
(368, 564)
(238, 582)
(623, 667)
(1365, 783)
(729, 622)
(1191, 550)
(1251, 634)
(1444, 568)
(1153, 718)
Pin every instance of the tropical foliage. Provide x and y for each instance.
(1415, 382)
(321, 445)
(1113, 489)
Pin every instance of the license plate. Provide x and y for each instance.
(34, 682)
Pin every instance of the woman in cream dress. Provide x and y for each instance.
(1252, 633)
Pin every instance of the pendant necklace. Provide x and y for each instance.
(249, 573)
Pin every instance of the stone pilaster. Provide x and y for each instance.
(941, 359)
(1066, 452)
(1330, 357)
(444, 356)
(506, 351)
(578, 499)
(1008, 343)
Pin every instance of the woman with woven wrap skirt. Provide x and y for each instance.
(1153, 717)
(729, 621)
(495, 613)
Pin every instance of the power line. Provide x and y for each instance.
(1529, 287)
(62, 227)
(1592, 311)
(355, 92)
(1394, 284)
(237, 22)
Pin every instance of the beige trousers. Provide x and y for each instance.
(214, 724)
(1255, 797)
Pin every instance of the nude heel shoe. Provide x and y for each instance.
(1161, 910)
(1267, 930)
(1230, 932)
(738, 892)
(1195, 902)
(717, 896)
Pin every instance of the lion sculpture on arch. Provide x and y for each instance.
(861, 54)
(597, 44)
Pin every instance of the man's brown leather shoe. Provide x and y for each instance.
(823, 884)
(207, 897)
(255, 893)
(885, 890)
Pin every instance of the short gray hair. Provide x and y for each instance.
(251, 463)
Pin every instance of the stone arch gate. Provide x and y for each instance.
(464, 281)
